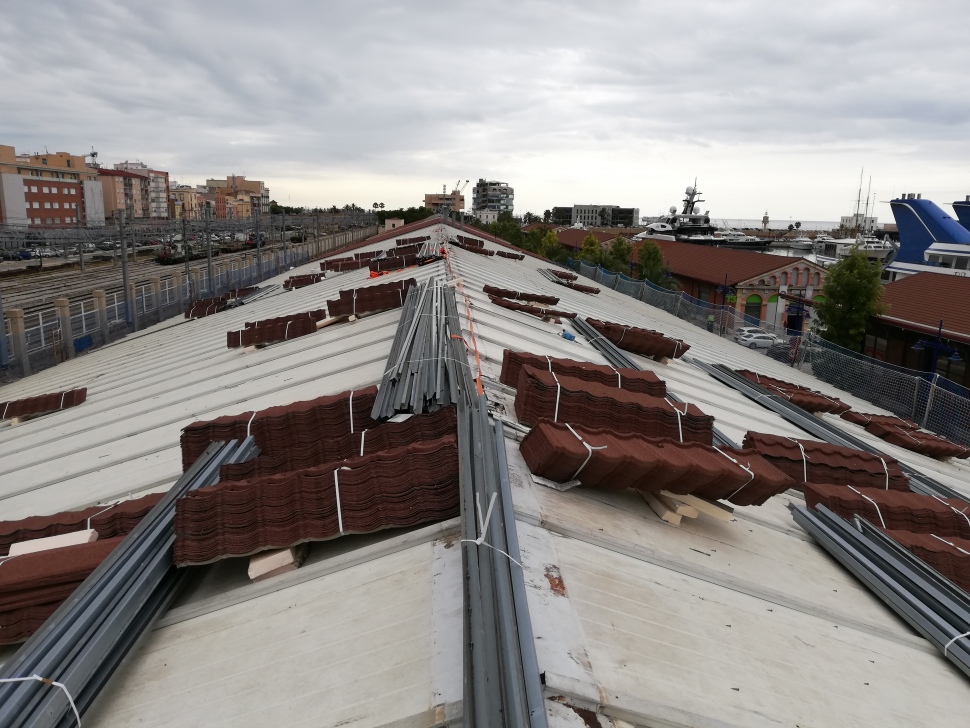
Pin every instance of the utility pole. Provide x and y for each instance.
(208, 250)
(80, 240)
(4, 354)
(129, 318)
(286, 252)
(185, 255)
(259, 246)
(316, 231)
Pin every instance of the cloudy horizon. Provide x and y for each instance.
(773, 107)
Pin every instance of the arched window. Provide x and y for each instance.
(752, 308)
(773, 281)
(818, 280)
(784, 279)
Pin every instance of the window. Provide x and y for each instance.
(57, 205)
(47, 205)
(946, 261)
(46, 190)
(961, 263)
(68, 162)
(57, 221)
(36, 205)
(43, 161)
(752, 308)
(73, 191)
(48, 220)
(784, 279)
(33, 188)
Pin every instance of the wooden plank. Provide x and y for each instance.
(681, 509)
(711, 508)
(660, 509)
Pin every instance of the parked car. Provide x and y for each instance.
(747, 331)
(758, 341)
(24, 254)
(9, 255)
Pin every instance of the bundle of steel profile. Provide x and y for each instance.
(636, 340)
(520, 295)
(606, 459)
(420, 373)
(536, 311)
(43, 403)
(282, 328)
(330, 447)
(918, 481)
(278, 428)
(82, 644)
(810, 461)
(109, 520)
(935, 607)
(301, 281)
(393, 488)
(242, 296)
(618, 359)
(370, 299)
(510, 256)
(542, 394)
(632, 380)
(808, 399)
(396, 262)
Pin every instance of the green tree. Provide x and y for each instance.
(590, 251)
(617, 259)
(853, 292)
(547, 215)
(412, 214)
(652, 267)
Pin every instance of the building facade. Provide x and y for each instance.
(441, 201)
(185, 200)
(492, 195)
(597, 216)
(125, 191)
(156, 190)
(235, 185)
(48, 190)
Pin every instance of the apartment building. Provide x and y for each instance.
(236, 187)
(157, 188)
(48, 190)
(125, 191)
(493, 196)
(597, 216)
(441, 201)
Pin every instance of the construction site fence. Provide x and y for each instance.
(934, 402)
(42, 338)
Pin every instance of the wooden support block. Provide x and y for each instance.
(53, 542)
(681, 509)
(711, 508)
(330, 321)
(660, 509)
(279, 561)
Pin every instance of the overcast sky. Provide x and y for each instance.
(773, 105)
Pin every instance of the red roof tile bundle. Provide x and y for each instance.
(398, 487)
(600, 458)
(277, 429)
(640, 341)
(405, 250)
(380, 265)
(562, 274)
(536, 311)
(825, 463)
(43, 403)
(520, 295)
(282, 328)
(511, 256)
(384, 436)
(861, 418)
(33, 586)
(918, 441)
(108, 520)
(632, 380)
(949, 555)
(409, 241)
(341, 266)
(470, 242)
(367, 255)
(808, 399)
(894, 510)
(545, 395)
(369, 299)
(301, 281)
(477, 248)
(208, 306)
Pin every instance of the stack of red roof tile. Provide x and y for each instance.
(918, 441)
(370, 299)
(520, 295)
(276, 429)
(536, 311)
(861, 418)
(632, 380)
(384, 436)
(108, 521)
(379, 265)
(894, 510)
(808, 399)
(511, 256)
(825, 463)
(410, 241)
(43, 403)
(294, 282)
(398, 487)
(949, 555)
(367, 255)
(33, 586)
(282, 328)
(206, 307)
(600, 458)
(340, 266)
(544, 394)
(477, 248)
(404, 250)
(562, 274)
(640, 341)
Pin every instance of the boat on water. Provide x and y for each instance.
(829, 250)
(692, 225)
(962, 209)
(929, 239)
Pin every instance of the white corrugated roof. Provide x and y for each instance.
(744, 623)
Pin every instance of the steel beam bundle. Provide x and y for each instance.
(825, 431)
(931, 604)
(101, 623)
(421, 368)
(619, 360)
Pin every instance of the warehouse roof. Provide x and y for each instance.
(741, 623)
(919, 302)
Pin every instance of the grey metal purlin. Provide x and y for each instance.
(935, 608)
(618, 359)
(918, 482)
(95, 629)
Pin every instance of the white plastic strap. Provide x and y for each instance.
(352, 411)
(885, 470)
(959, 636)
(5, 559)
(589, 451)
(355, 301)
(483, 527)
(622, 334)
(619, 380)
(745, 468)
(805, 462)
(249, 424)
(878, 512)
(364, 432)
(953, 508)
(555, 414)
(286, 334)
(106, 508)
(6, 406)
(680, 426)
(549, 361)
(47, 681)
(62, 400)
(950, 544)
(336, 488)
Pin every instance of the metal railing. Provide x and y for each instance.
(84, 318)
(41, 334)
